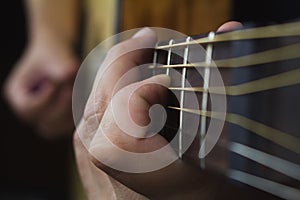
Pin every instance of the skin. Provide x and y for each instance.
(39, 88)
(101, 181)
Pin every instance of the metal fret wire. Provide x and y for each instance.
(206, 78)
(183, 77)
(169, 57)
(154, 62)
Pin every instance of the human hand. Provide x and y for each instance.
(39, 89)
(178, 179)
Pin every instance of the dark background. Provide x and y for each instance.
(264, 11)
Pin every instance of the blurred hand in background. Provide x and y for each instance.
(39, 88)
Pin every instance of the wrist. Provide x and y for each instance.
(51, 36)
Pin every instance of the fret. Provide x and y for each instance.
(169, 57)
(154, 62)
(183, 79)
(206, 77)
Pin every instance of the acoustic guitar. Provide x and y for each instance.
(258, 145)
(246, 122)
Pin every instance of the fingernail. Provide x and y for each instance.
(142, 32)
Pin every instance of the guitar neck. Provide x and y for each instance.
(244, 122)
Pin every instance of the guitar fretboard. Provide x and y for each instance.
(259, 144)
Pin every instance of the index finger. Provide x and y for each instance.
(121, 58)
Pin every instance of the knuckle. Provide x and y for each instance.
(76, 139)
(95, 106)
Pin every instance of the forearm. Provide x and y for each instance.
(58, 19)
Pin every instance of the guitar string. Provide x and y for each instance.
(169, 57)
(278, 164)
(281, 30)
(280, 138)
(268, 56)
(272, 82)
(277, 189)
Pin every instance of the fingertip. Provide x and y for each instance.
(229, 26)
(144, 32)
(146, 36)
